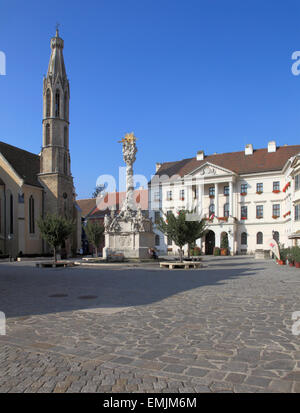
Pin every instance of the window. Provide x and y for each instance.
(244, 188)
(276, 236)
(156, 217)
(65, 164)
(11, 215)
(259, 238)
(21, 198)
(276, 210)
(156, 196)
(181, 194)
(211, 191)
(48, 103)
(244, 212)
(226, 210)
(31, 215)
(57, 104)
(66, 106)
(297, 182)
(169, 195)
(244, 238)
(259, 211)
(276, 186)
(297, 214)
(47, 134)
(157, 240)
(169, 241)
(195, 191)
(66, 137)
(211, 209)
(226, 190)
(260, 187)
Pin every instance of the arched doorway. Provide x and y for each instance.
(209, 243)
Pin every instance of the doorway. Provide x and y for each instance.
(209, 243)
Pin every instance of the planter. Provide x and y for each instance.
(224, 251)
(281, 262)
(297, 264)
(259, 192)
(276, 191)
(243, 193)
(275, 217)
(291, 264)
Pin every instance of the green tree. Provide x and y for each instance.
(55, 229)
(95, 234)
(181, 230)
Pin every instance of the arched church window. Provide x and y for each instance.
(259, 238)
(48, 103)
(66, 106)
(47, 142)
(31, 215)
(57, 104)
(65, 164)
(65, 137)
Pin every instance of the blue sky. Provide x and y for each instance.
(184, 75)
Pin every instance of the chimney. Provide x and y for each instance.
(272, 146)
(249, 149)
(200, 155)
(157, 166)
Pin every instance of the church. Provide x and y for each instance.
(33, 185)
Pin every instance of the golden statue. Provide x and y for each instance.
(129, 137)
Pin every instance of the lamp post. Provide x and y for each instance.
(10, 237)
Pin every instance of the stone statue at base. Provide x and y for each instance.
(129, 233)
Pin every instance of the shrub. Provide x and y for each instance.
(217, 251)
(295, 254)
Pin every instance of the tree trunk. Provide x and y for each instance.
(96, 252)
(189, 250)
(54, 252)
(180, 254)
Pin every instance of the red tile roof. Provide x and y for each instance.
(238, 162)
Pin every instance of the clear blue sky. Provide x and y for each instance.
(184, 75)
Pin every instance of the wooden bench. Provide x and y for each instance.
(176, 264)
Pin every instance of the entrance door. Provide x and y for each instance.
(209, 243)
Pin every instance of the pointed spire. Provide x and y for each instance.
(56, 64)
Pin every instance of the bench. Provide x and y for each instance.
(52, 264)
(176, 264)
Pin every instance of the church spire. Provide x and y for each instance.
(56, 65)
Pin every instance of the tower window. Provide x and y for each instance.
(48, 103)
(57, 104)
(66, 106)
(65, 137)
(47, 141)
(31, 215)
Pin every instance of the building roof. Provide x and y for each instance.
(26, 164)
(86, 205)
(90, 207)
(260, 161)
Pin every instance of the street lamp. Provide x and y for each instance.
(10, 237)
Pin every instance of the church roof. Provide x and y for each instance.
(260, 161)
(26, 164)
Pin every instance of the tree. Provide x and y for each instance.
(94, 232)
(55, 229)
(98, 190)
(181, 230)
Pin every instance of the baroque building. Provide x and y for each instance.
(248, 197)
(33, 185)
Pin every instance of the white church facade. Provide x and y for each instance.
(250, 197)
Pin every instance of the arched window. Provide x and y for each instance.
(65, 137)
(47, 141)
(48, 103)
(157, 240)
(11, 214)
(65, 164)
(276, 236)
(244, 238)
(66, 106)
(211, 209)
(31, 215)
(259, 238)
(57, 104)
(226, 210)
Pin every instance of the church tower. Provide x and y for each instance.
(55, 173)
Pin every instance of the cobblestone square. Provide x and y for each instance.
(226, 327)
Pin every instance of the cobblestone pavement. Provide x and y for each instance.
(223, 328)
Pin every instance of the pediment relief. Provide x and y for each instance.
(210, 170)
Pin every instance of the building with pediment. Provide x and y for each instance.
(248, 197)
(33, 185)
